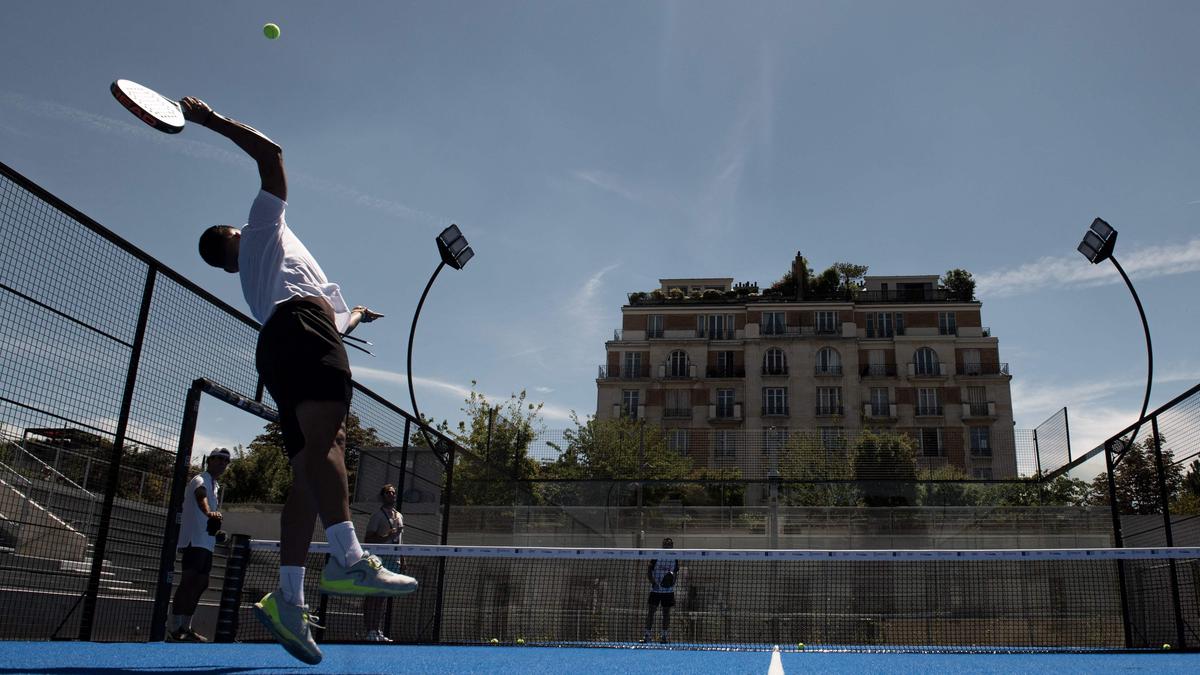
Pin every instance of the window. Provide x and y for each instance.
(972, 362)
(715, 326)
(927, 362)
(977, 404)
(773, 323)
(677, 364)
(829, 362)
(679, 403)
(633, 365)
(829, 400)
(928, 401)
(654, 326)
(827, 322)
(947, 323)
(931, 441)
(981, 443)
(678, 440)
(877, 363)
(630, 402)
(725, 403)
(884, 324)
(983, 473)
(775, 401)
(774, 362)
(881, 405)
(774, 441)
(723, 443)
(725, 366)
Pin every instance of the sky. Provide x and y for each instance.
(587, 149)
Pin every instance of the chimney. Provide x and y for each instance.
(800, 276)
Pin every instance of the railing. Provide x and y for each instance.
(929, 411)
(829, 410)
(879, 411)
(687, 372)
(926, 370)
(885, 370)
(725, 412)
(828, 370)
(726, 371)
(981, 452)
(784, 331)
(979, 409)
(775, 410)
(722, 334)
(631, 373)
(983, 369)
(677, 413)
(881, 334)
(775, 370)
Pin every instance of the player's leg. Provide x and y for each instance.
(651, 604)
(194, 580)
(668, 603)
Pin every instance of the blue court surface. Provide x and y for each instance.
(66, 658)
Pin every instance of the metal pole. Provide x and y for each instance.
(1164, 502)
(1149, 348)
(412, 331)
(1118, 543)
(447, 494)
(114, 467)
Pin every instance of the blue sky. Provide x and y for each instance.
(589, 148)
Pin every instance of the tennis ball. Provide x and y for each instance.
(271, 31)
(520, 641)
(800, 646)
(494, 641)
(1166, 645)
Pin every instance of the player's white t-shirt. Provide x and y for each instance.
(658, 570)
(276, 267)
(381, 519)
(193, 530)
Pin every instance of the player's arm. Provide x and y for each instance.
(359, 315)
(650, 571)
(202, 501)
(265, 152)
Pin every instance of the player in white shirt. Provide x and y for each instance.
(385, 527)
(303, 364)
(201, 505)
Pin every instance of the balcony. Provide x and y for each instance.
(719, 334)
(623, 373)
(978, 410)
(882, 334)
(827, 371)
(726, 371)
(677, 413)
(688, 372)
(927, 370)
(724, 413)
(830, 410)
(879, 370)
(620, 411)
(775, 410)
(983, 370)
(775, 371)
(879, 412)
(929, 411)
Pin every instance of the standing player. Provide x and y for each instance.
(385, 527)
(661, 574)
(302, 362)
(201, 504)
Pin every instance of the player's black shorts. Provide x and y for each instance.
(197, 559)
(664, 599)
(300, 358)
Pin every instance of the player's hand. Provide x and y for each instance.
(214, 514)
(367, 315)
(195, 110)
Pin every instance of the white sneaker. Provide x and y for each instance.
(377, 636)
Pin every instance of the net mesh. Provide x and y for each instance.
(1057, 599)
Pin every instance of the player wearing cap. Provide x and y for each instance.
(201, 505)
(661, 574)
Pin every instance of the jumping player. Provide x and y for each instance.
(303, 364)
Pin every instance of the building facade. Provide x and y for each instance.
(729, 374)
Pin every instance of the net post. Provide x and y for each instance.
(447, 493)
(231, 590)
(1165, 502)
(92, 593)
(166, 561)
(1118, 542)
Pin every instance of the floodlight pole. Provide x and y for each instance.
(1149, 352)
(412, 396)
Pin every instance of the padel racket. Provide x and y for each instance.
(149, 106)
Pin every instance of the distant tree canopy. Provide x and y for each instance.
(499, 437)
(960, 284)
(1136, 480)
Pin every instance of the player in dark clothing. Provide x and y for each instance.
(662, 575)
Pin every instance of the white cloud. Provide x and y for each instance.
(1146, 262)
(550, 411)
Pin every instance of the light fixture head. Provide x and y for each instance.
(453, 248)
(1098, 242)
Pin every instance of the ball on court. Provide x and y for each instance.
(800, 646)
(520, 641)
(271, 31)
(1166, 645)
(494, 641)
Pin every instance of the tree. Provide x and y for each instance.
(960, 284)
(1188, 500)
(497, 466)
(816, 473)
(825, 285)
(851, 275)
(945, 486)
(261, 472)
(1136, 480)
(1062, 491)
(886, 466)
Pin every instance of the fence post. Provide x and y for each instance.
(1118, 541)
(1164, 498)
(114, 466)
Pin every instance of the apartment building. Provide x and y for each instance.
(727, 371)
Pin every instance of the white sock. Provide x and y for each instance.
(291, 584)
(344, 542)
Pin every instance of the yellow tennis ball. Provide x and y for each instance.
(1166, 645)
(271, 31)
(520, 641)
(800, 646)
(494, 641)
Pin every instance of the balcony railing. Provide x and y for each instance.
(726, 371)
(983, 369)
(632, 413)
(775, 370)
(880, 333)
(717, 411)
(677, 413)
(980, 452)
(829, 410)
(879, 410)
(775, 410)
(687, 372)
(879, 370)
(979, 409)
(720, 334)
(623, 372)
(926, 370)
(828, 370)
(929, 411)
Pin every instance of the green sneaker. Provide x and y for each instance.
(365, 578)
(289, 624)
